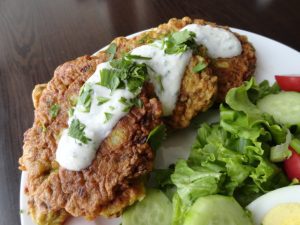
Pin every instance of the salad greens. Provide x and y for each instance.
(237, 157)
(233, 157)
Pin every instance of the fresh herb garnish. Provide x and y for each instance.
(200, 66)
(102, 100)
(137, 57)
(76, 130)
(54, 110)
(158, 78)
(71, 112)
(85, 98)
(123, 100)
(111, 50)
(108, 116)
(112, 108)
(180, 42)
(109, 78)
(125, 72)
(156, 136)
(129, 103)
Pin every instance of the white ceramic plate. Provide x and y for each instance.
(272, 58)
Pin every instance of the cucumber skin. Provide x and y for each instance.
(284, 107)
(216, 210)
(154, 209)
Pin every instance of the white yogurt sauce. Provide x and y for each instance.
(71, 153)
(165, 72)
(220, 43)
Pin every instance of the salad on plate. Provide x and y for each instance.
(253, 150)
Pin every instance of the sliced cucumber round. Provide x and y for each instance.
(284, 107)
(216, 210)
(154, 209)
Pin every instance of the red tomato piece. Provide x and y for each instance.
(292, 165)
(288, 83)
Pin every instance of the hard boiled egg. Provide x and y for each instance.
(281, 206)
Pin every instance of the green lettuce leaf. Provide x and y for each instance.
(233, 157)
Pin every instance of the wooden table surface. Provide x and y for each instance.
(38, 35)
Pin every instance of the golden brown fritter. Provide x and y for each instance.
(232, 72)
(198, 90)
(115, 178)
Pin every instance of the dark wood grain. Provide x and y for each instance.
(37, 36)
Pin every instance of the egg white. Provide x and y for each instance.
(262, 205)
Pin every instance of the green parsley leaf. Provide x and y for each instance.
(85, 98)
(76, 131)
(109, 79)
(129, 103)
(123, 100)
(134, 84)
(111, 50)
(156, 136)
(54, 110)
(137, 102)
(125, 72)
(71, 112)
(102, 100)
(182, 37)
(200, 66)
(137, 57)
(158, 78)
(108, 117)
(180, 42)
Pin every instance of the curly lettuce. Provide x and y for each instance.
(233, 157)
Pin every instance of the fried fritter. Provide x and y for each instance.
(115, 178)
(199, 90)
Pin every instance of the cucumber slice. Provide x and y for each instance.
(284, 107)
(216, 210)
(154, 209)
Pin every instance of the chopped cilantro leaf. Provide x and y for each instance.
(112, 107)
(156, 136)
(85, 98)
(158, 78)
(130, 57)
(130, 102)
(109, 79)
(108, 117)
(102, 100)
(200, 66)
(54, 110)
(125, 72)
(111, 50)
(76, 131)
(137, 102)
(71, 112)
(134, 84)
(123, 100)
(179, 42)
